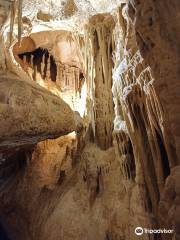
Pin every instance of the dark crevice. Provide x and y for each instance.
(132, 165)
(96, 41)
(97, 186)
(53, 69)
(62, 177)
(164, 156)
(148, 203)
(103, 77)
(3, 233)
(13, 164)
(36, 58)
(46, 56)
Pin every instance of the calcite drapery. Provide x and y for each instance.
(138, 106)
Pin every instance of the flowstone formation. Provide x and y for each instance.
(89, 113)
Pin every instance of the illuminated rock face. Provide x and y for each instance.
(109, 161)
(27, 114)
(52, 59)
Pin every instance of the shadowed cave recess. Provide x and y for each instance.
(89, 116)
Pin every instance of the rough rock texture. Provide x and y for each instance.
(30, 114)
(158, 33)
(82, 200)
(52, 59)
(99, 38)
(170, 202)
(30, 189)
(138, 104)
(119, 169)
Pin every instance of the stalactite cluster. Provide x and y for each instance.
(41, 62)
(143, 115)
(70, 78)
(139, 120)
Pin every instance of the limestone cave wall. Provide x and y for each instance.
(141, 95)
(89, 115)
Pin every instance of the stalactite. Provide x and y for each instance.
(48, 75)
(124, 153)
(12, 18)
(144, 118)
(35, 73)
(19, 21)
(62, 79)
(58, 77)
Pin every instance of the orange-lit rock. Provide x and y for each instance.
(30, 114)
